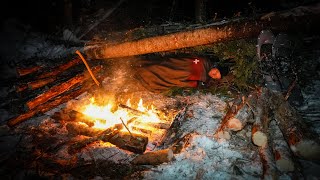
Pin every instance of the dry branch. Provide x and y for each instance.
(154, 157)
(219, 33)
(58, 89)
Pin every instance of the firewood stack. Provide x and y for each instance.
(277, 130)
(41, 88)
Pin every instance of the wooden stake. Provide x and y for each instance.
(88, 68)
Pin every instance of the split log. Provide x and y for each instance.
(48, 106)
(302, 140)
(154, 157)
(59, 89)
(259, 132)
(223, 32)
(60, 69)
(35, 84)
(268, 165)
(231, 112)
(25, 71)
(133, 142)
(282, 153)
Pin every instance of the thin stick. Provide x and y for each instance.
(87, 66)
(126, 126)
(293, 84)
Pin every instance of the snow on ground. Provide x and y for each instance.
(205, 158)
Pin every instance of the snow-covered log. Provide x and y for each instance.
(301, 139)
(282, 153)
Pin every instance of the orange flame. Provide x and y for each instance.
(103, 117)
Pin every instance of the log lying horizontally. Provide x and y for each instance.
(72, 116)
(219, 33)
(35, 84)
(59, 89)
(154, 157)
(129, 141)
(25, 71)
(60, 69)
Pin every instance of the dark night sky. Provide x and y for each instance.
(45, 14)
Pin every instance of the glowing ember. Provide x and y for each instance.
(103, 117)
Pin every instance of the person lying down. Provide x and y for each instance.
(160, 74)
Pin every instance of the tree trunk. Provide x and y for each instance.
(301, 139)
(303, 22)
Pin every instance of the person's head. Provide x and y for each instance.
(218, 72)
(214, 73)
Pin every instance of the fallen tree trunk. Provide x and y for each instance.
(215, 34)
(58, 89)
(282, 153)
(154, 157)
(268, 165)
(301, 139)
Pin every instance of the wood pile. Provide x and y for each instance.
(276, 128)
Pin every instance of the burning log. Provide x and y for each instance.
(154, 157)
(58, 89)
(281, 150)
(134, 111)
(103, 135)
(72, 115)
(47, 106)
(35, 84)
(301, 139)
(152, 125)
(224, 32)
(76, 128)
(25, 71)
(133, 142)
